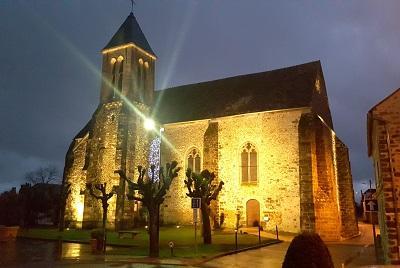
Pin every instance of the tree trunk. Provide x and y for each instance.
(104, 226)
(104, 217)
(205, 215)
(154, 231)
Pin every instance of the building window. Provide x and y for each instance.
(248, 158)
(193, 160)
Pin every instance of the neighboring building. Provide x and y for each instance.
(369, 206)
(384, 149)
(39, 204)
(269, 136)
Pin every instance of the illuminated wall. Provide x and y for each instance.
(275, 136)
(299, 188)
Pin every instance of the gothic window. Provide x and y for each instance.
(193, 160)
(248, 157)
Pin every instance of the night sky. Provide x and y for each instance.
(50, 61)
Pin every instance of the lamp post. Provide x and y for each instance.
(237, 228)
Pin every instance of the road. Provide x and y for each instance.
(356, 252)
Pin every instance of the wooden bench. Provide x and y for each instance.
(132, 234)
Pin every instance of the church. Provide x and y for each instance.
(269, 136)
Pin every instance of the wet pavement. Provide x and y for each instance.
(37, 253)
(357, 252)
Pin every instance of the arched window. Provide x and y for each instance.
(193, 160)
(120, 75)
(145, 70)
(140, 78)
(248, 157)
(113, 71)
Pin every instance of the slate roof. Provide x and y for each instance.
(291, 87)
(130, 32)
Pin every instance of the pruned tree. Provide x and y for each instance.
(42, 175)
(202, 186)
(151, 193)
(103, 197)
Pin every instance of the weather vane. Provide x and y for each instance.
(132, 4)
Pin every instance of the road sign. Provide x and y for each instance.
(171, 244)
(196, 202)
(372, 205)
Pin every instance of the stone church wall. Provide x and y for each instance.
(116, 140)
(346, 192)
(275, 136)
(327, 198)
(101, 163)
(77, 177)
(180, 138)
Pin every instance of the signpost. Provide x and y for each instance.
(196, 204)
(171, 246)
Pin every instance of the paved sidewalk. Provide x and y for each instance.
(356, 252)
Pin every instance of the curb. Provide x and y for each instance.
(238, 251)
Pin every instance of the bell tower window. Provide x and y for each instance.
(120, 74)
(113, 71)
(140, 78)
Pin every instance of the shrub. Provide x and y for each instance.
(307, 250)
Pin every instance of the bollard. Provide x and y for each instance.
(171, 246)
(236, 240)
(277, 233)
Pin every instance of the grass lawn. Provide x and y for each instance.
(182, 237)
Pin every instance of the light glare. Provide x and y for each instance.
(149, 124)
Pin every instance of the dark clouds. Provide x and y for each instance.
(50, 61)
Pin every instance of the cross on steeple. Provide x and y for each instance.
(132, 4)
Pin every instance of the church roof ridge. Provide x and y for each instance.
(316, 63)
(285, 88)
(130, 32)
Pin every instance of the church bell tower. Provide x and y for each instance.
(116, 138)
(128, 65)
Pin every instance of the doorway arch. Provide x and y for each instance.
(253, 212)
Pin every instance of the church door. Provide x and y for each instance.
(253, 213)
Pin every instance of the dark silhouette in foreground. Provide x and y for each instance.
(307, 250)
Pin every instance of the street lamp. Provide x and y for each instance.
(149, 124)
